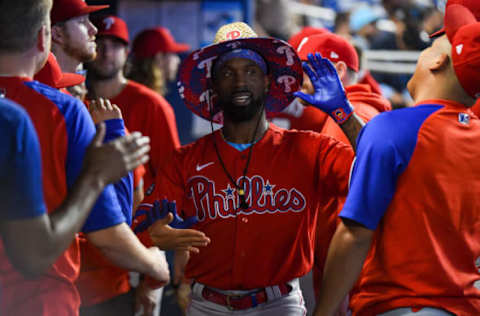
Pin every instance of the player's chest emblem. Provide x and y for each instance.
(261, 195)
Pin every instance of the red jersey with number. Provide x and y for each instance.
(290, 176)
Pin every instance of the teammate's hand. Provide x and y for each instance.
(329, 95)
(167, 230)
(110, 162)
(101, 110)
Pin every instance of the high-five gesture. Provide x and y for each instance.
(329, 94)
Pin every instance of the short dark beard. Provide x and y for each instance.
(95, 75)
(238, 114)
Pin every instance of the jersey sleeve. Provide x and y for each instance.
(107, 210)
(384, 149)
(21, 189)
(334, 165)
(124, 188)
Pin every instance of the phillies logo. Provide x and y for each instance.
(289, 54)
(207, 65)
(287, 81)
(233, 35)
(260, 195)
(108, 22)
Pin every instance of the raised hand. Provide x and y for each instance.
(101, 110)
(329, 95)
(110, 162)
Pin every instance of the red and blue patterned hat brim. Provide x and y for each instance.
(284, 69)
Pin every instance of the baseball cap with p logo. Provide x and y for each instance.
(111, 25)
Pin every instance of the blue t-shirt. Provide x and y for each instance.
(21, 192)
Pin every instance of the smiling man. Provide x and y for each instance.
(256, 189)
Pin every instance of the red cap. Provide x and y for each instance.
(331, 46)
(63, 10)
(52, 75)
(152, 41)
(297, 38)
(472, 5)
(111, 25)
(463, 31)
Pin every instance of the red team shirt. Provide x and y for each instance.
(418, 188)
(148, 112)
(64, 130)
(291, 174)
(366, 104)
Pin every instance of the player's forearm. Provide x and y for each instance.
(352, 128)
(120, 245)
(67, 220)
(346, 255)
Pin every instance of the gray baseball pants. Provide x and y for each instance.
(291, 304)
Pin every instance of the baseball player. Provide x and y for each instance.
(105, 288)
(366, 105)
(256, 189)
(31, 238)
(142, 109)
(412, 220)
(64, 129)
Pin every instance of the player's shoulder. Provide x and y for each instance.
(298, 137)
(11, 113)
(396, 129)
(62, 100)
(144, 93)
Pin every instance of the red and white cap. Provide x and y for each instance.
(331, 46)
(111, 25)
(472, 5)
(63, 10)
(463, 32)
(297, 38)
(152, 41)
(52, 75)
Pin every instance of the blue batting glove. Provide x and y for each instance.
(178, 222)
(147, 214)
(329, 95)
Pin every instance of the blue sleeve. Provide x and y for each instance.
(107, 211)
(124, 188)
(384, 148)
(21, 190)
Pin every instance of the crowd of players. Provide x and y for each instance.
(385, 213)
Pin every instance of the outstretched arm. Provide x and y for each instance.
(34, 244)
(330, 97)
(346, 254)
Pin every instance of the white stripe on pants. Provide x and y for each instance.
(407, 311)
(291, 304)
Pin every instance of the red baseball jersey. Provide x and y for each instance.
(416, 182)
(64, 130)
(145, 111)
(148, 112)
(290, 176)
